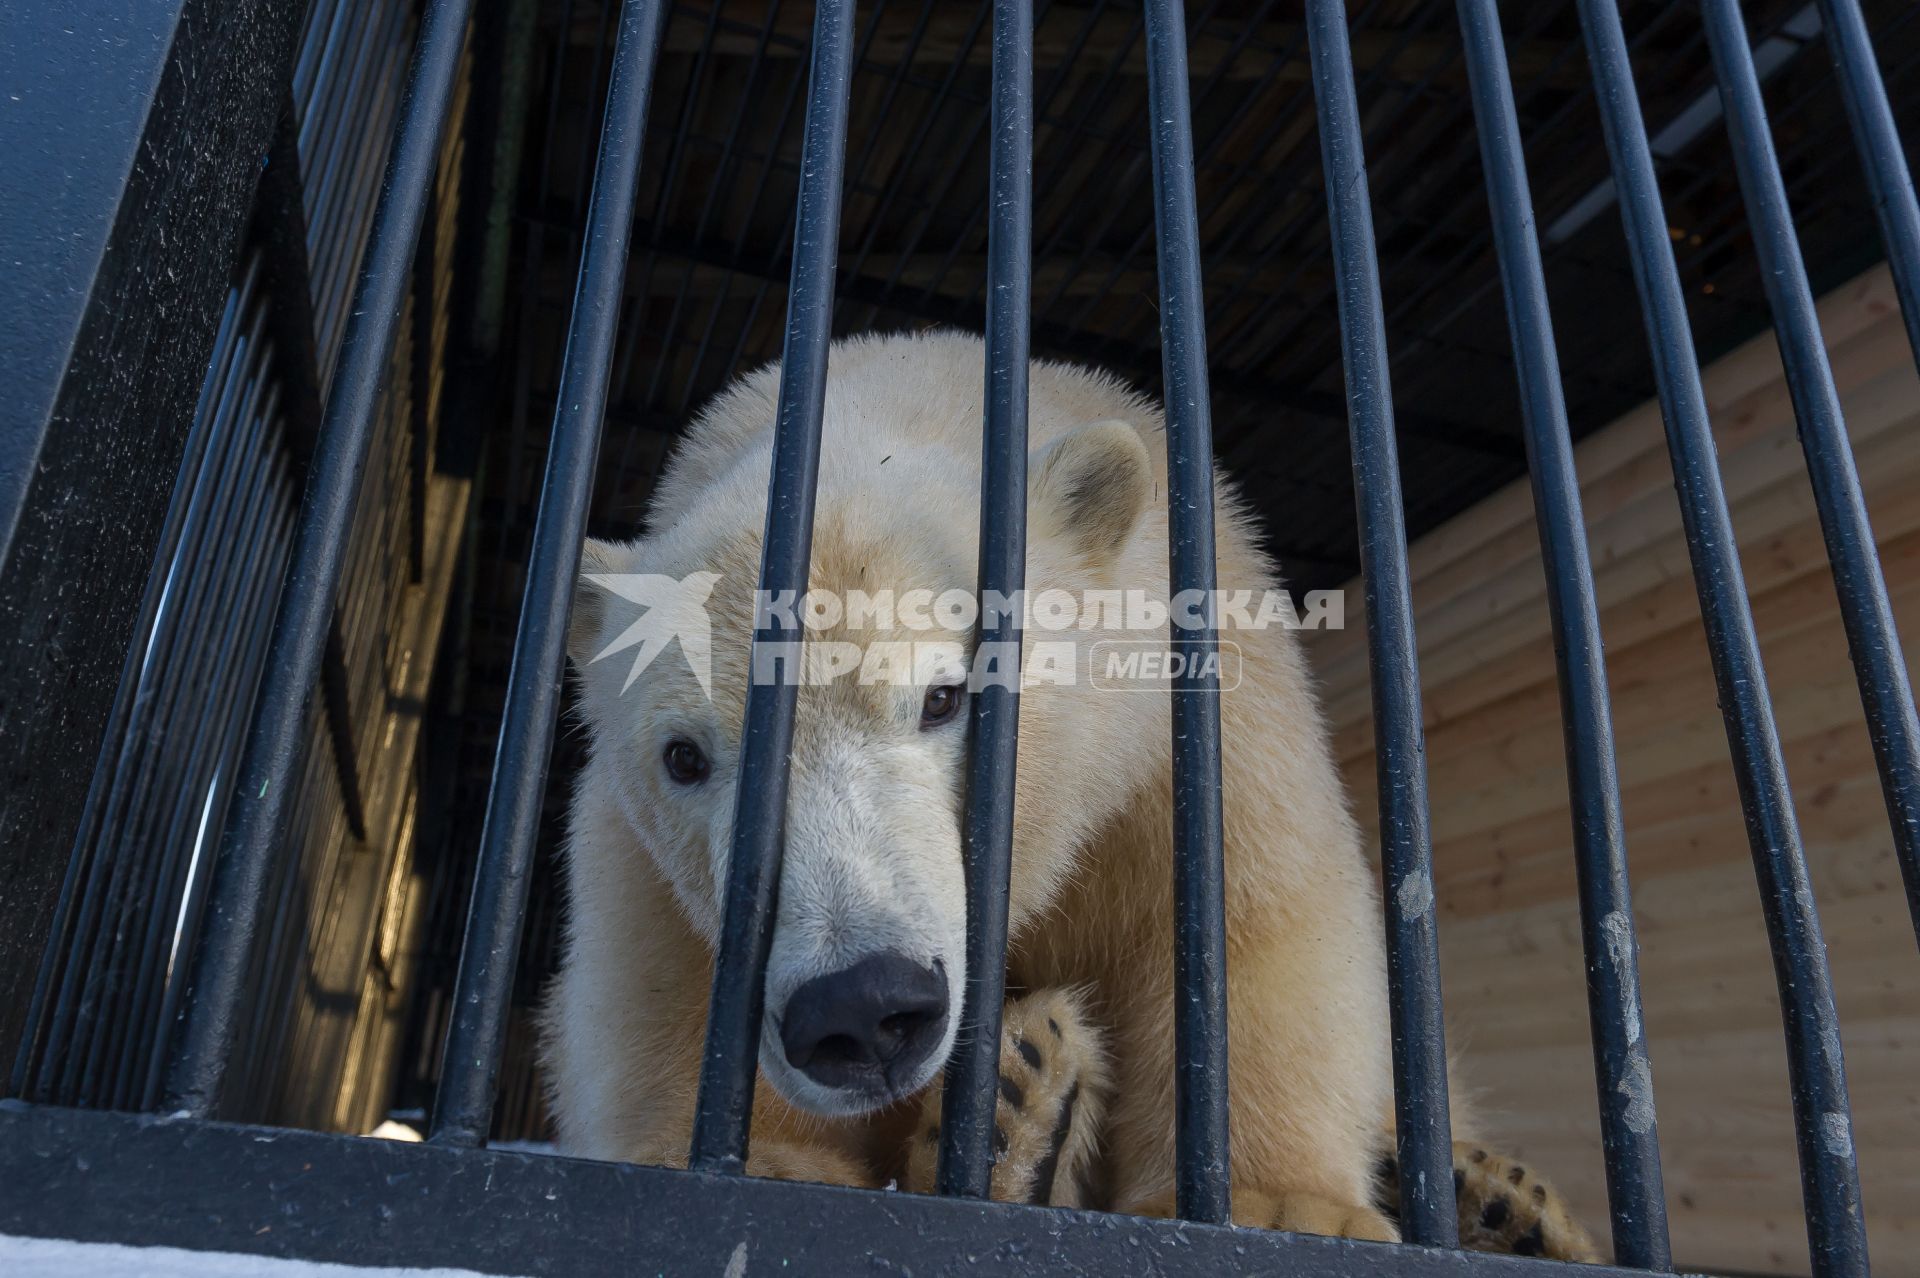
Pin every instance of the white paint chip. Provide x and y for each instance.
(1837, 1135)
(1637, 1087)
(1415, 895)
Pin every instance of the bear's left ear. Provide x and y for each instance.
(589, 600)
(1090, 487)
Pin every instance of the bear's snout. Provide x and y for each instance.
(867, 1028)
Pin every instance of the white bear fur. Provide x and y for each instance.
(873, 857)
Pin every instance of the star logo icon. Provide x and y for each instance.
(672, 608)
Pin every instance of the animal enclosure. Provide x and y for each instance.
(351, 317)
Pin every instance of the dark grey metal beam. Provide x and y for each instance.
(97, 1177)
(122, 209)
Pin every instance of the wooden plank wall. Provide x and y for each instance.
(1512, 961)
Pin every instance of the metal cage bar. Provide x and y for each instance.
(477, 1027)
(1871, 118)
(55, 1003)
(1830, 1180)
(1422, 1128)
(276, 740)
(1623, 1071)
(1201, 1181)
(973, 1071)
(723, 1111)
(1873, 639)
(251, 868)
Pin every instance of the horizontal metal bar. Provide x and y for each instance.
(1202, 1188)
(237, 900)
(1881, 155)
(1836, 1229)
(724, 1109)
(120, 1178)
(1423, 1130)
(1623, 1070)
(973, 1071)
(477, 1027)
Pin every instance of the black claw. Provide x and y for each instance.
(1028, 1052)
(1054, 1026)
(1049, 1167)
(1011, 1090)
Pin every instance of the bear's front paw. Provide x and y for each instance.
(1294, 1211)
(1506, 1208)
(1053, 1087)
(1308, 1213)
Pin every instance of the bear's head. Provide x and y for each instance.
(864, 982)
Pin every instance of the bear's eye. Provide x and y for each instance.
(686, 762)
(942, 704)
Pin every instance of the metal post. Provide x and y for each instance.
(483, 991)
(1423, 1130)
(1836, 1230)
(1201, 1185)
(973, 1071)
(723, 1112)
(238, 898)
(1623, 1071)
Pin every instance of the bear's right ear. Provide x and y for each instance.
(589, 600)
(1090, 487)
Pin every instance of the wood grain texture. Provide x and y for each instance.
(1511, 956)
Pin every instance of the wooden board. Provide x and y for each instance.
(1511, 956)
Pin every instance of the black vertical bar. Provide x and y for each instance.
(1835, 1229)
(121, 251)
(269, 774)
(1201, 1184)
(1423, 1131)
(723, 1112)
(973, 1071)
(337, 704)
(77, 900)
(1873, 640)
(280, 228)
(420, 402)
(477, 1028)
(1880, 154)
(1621, 1065)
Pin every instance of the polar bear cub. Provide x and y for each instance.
(868, 953)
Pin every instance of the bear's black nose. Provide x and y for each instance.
(867, 1026)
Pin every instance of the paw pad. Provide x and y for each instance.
(1505, 1208)
(1042, 1136)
